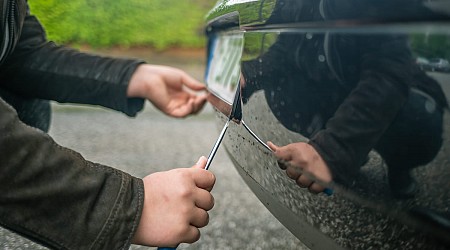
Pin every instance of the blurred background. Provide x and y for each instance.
(167, 32)
(156, 24)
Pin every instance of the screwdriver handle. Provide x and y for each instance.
(328, 191)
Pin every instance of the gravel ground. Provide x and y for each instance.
(153, 142)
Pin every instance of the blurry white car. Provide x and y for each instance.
(439, 64)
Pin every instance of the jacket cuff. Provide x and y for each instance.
(130, 106)
(343, 169)
(121, 226)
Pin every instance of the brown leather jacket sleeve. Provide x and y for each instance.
(41, 69)
(56, 197)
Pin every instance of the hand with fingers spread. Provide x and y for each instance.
(303, 164)
(175, 206)
(171, 90)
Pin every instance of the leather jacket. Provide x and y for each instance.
(50, 193)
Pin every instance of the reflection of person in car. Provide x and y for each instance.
(349, 94)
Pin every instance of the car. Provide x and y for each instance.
(337, 77)
(423, 63)
(439, 64)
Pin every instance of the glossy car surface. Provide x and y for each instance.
(297, 63)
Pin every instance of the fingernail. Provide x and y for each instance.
(200, 160)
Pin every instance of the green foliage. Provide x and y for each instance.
(257, 43)
(431, 45)
(104, 23)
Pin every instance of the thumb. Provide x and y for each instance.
(201, 163)
(272, 146)
(192, 83)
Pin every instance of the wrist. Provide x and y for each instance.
(320, 168)
(136, 86)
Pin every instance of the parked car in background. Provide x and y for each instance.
(439, 64)
(340, 76)
(423, 63)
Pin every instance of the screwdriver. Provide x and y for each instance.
(235, 115)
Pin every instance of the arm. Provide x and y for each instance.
(40, 69)
(53, 195)
(337, 151)
(369, 109)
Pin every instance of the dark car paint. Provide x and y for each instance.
(363, 214)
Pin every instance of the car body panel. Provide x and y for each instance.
(286, 66)
(243, 12)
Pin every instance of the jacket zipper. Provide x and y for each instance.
(9, 29)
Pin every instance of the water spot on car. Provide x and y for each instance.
(430, 106)
(321, 58)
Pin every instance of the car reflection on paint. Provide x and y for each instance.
(439, 64)
(423, 63)
(340, 72)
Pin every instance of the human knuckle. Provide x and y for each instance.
(195, 236)
(205, 220)
(212, 179)
(211, 202)
(185, 192)
(315, 188)
(185, 211)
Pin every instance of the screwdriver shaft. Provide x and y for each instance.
(216, 145)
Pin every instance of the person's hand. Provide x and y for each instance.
(175, 206)
(171, 90)
(303, 164)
